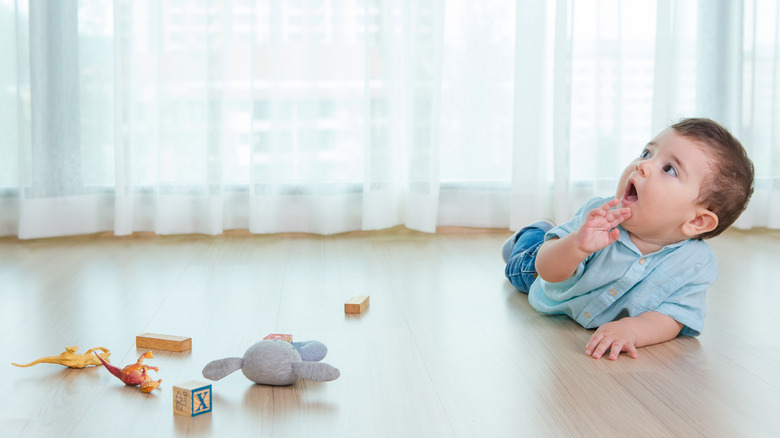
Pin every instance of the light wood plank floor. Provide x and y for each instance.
(447, 347)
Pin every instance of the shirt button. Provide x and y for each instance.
(612, 292)
(642, 261)
(587, 315)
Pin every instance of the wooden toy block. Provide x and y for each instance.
(356, 304)
(191, 398)
(281, 337)
(163, 342)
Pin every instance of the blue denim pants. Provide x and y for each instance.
(521, 259)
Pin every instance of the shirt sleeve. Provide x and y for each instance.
(686, 305)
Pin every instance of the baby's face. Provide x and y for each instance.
(661, 187)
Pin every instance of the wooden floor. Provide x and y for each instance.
(446, 348)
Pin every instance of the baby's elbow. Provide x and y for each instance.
(550, 274)
(552, 278)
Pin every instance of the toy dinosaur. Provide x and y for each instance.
(276, 362)
(70, 359)
(135, 374)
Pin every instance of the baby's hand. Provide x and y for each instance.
(598, 231)
(614, 336)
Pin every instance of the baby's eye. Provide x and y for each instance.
(670, 170)
(645, 154)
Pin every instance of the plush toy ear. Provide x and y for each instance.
(218, 369)
(319, 372)
(311, 351)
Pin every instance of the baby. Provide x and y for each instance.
(635, 266)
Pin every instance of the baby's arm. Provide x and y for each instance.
(558, 259)
(630, 333)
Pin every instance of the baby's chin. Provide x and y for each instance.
(628, 223)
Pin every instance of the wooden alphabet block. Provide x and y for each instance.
(356, 304)
(191, 398)
(281, 337)
(163, 342)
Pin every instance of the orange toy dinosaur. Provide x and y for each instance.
(135, 374)
(71, 359)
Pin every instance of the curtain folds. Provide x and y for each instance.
(319, 116)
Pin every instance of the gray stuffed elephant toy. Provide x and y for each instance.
(276, 362)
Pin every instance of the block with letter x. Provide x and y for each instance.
(192, 398)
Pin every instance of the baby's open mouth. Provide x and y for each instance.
(631, 196)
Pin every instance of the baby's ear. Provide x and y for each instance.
(705, 221)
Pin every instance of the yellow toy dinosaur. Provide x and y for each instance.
(70, 359)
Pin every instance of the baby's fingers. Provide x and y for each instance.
(618, 215)
(631, 350)
(619, 346)
(598, 345)
(607, 206)
(612, 216)
(593, 343)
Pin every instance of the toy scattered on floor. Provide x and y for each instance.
(157, 341)
(277, 363)
(71, 359)
(135, 374)
(191, 398)
(356, 304)
(280, 336)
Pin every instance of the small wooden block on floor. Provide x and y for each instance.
(191, 398)
(279, 336)
(356, 304)
(163, 342)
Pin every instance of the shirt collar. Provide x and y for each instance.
(625, 240)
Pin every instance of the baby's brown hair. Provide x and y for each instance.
(726, 191)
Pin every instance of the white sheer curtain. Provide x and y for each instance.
(186, 116)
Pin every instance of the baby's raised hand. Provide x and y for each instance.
(598, 231)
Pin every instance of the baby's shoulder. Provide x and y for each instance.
(694, 260)
(696, 249)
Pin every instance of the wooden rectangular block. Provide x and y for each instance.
(280, 336)
(191, 398)
(163, 342)
(356, 304)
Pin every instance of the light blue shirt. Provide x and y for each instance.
(619, 281)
